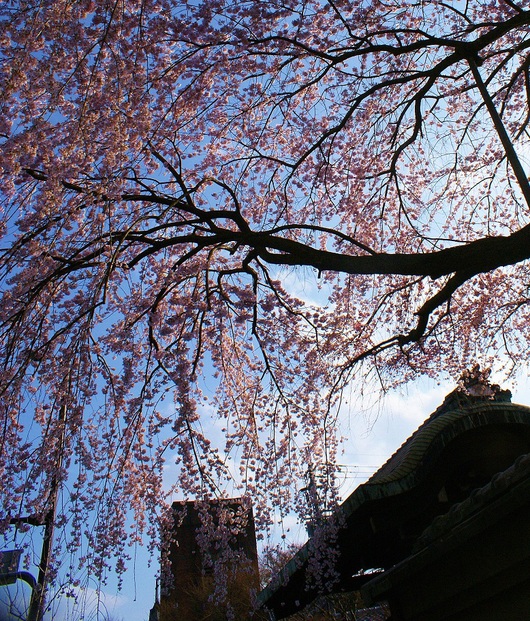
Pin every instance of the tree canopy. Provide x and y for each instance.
(168, 169)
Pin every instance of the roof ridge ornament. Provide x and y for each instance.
(473, 387)
(475, 383)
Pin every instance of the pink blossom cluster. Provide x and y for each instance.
(216, 215)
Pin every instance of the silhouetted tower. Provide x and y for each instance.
(214, 562)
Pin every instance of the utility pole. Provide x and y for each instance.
(313, 502)
(38, 598)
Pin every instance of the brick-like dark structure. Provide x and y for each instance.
(213, 546)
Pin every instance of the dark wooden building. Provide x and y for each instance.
(441, 532)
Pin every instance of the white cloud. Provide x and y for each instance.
(90, 604)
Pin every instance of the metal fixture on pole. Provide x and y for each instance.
(9, 572)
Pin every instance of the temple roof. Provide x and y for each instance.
(470, 563)
(475, 433)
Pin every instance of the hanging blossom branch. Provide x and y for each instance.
(173, 176)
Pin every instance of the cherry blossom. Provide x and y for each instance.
(165, 165)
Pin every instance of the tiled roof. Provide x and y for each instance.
(456, 405)
(458, 413)
(408, 466)
(510, 481)
(377, 613)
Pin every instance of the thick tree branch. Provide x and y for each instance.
(482, 255)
